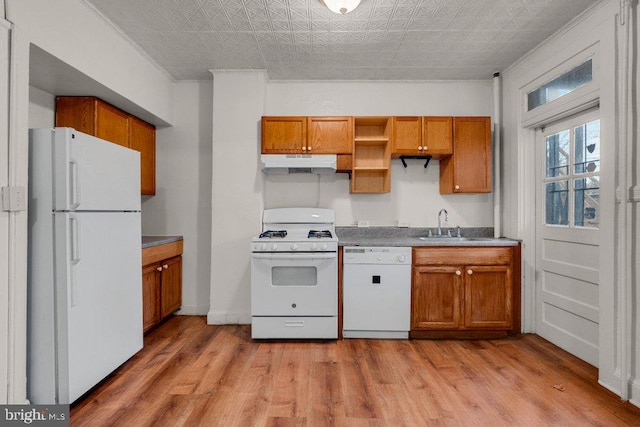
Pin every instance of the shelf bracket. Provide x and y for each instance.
(426, 158)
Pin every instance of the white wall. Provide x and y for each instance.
(182, 204)
(238, 104)
(75, 34)
(241, 191)
(598, 28)
(415, 195)
(42, 108)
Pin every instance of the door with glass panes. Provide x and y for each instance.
(567, 236)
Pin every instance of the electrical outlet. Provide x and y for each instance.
(403, 224)
(363, 223)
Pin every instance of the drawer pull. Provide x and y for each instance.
(458, 272)
(294, 324)
(469, 271)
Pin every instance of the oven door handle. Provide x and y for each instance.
(295, 256)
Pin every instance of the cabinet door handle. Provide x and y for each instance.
(165, 266)
(309, 148)
(424, 148)
(419, 147)
(304, 148)
(458, 272)
(469, 271)
(159, 269)
(457, 187)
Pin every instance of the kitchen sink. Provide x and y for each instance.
(454, 239)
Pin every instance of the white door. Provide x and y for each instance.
(567, 236)
(92, 174)
(99, 281)
(376, 297)
(298, 284)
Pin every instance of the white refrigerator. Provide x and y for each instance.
(85, 273)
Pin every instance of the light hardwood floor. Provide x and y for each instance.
(190, 373)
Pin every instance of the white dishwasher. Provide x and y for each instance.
(376, 294)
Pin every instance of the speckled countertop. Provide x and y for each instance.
(397, 236)
(149, 241)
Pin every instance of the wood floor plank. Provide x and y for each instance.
(194, 374)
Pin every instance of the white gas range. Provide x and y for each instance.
(294, 275)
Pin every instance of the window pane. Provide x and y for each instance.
(587, 148)
(294, 276)
(557, 154)
(560, 86)
(557, 204)
(587, 202)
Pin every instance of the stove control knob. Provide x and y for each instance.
(263, 247)
(325, 246)
(402, 258)
(314, 247)
(274, 246)
(294, 247)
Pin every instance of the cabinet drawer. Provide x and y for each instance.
(161, 252)
(482, 255)
(294, 327)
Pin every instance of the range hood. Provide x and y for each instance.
(298, 163)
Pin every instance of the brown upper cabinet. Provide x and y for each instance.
(468, 170)
(95, 117)
(284, 135)
(422, 136)
(142, 138)
(330, 135)
(307, 135)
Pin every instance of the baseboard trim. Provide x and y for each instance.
(215, 317)
(193, 310)
(634, 399)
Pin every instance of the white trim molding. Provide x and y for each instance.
(18, 176)
(216, 317)
(193, 310)
(579, 100)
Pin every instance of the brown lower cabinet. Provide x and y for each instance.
(465, 291)
(161, 283)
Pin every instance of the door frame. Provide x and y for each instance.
(527, 203)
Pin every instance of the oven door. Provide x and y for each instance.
(294, 284)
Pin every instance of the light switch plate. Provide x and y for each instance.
(363, 223)
(14, 199)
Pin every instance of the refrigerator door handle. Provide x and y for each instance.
(74, 228)
(75, 184)
(75, 238)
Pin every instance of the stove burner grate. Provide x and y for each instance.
(272, 233)
(319, 234)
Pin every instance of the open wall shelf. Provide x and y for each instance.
(371, 155)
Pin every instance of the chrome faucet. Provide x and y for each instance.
(446, 218)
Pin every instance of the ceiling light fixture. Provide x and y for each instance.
(341, 6)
